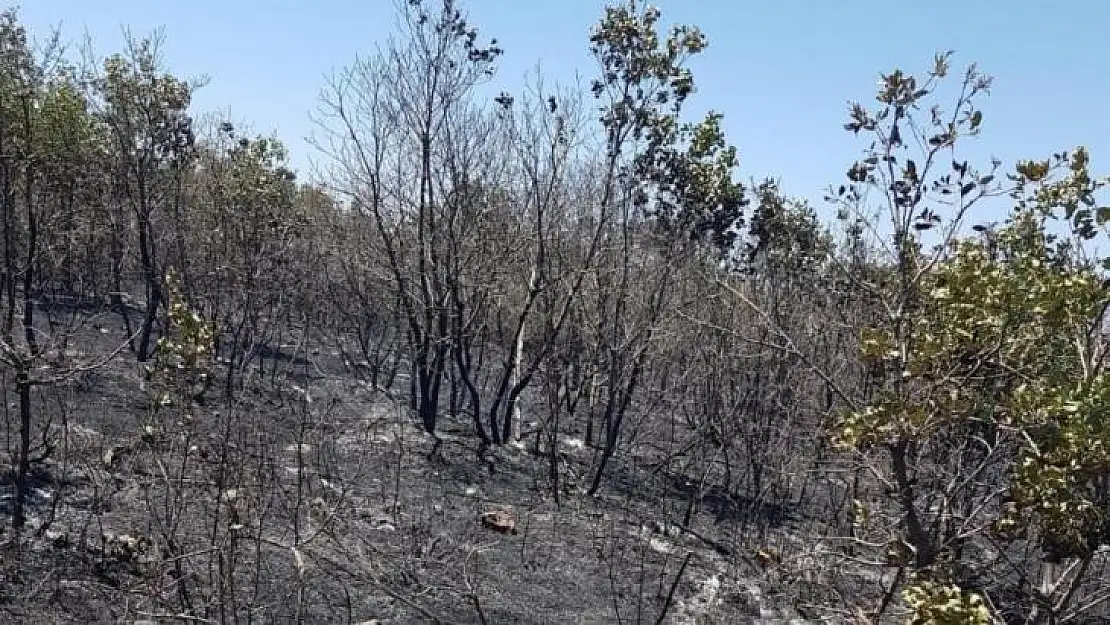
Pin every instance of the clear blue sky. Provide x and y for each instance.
(782, 71)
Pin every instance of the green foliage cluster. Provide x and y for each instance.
(184, 356)
(682, 173)
(1007, 336)
(938, 603)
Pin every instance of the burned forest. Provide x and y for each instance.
(543, 355)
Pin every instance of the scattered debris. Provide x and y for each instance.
(693, 609)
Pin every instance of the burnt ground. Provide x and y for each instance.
(327, 504)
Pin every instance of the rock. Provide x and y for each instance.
(79, 431)
(573, 444)
(660, 546)
(767, 557)
(499, 521)
(39, 497)
(384, 524)
(60, 540)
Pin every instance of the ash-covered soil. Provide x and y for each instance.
(312, 497)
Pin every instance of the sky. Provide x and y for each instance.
(781, 71)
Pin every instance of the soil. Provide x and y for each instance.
(351, 514)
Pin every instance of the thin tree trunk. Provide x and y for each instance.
(23, 378)
(518, 364)
(23, 462)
